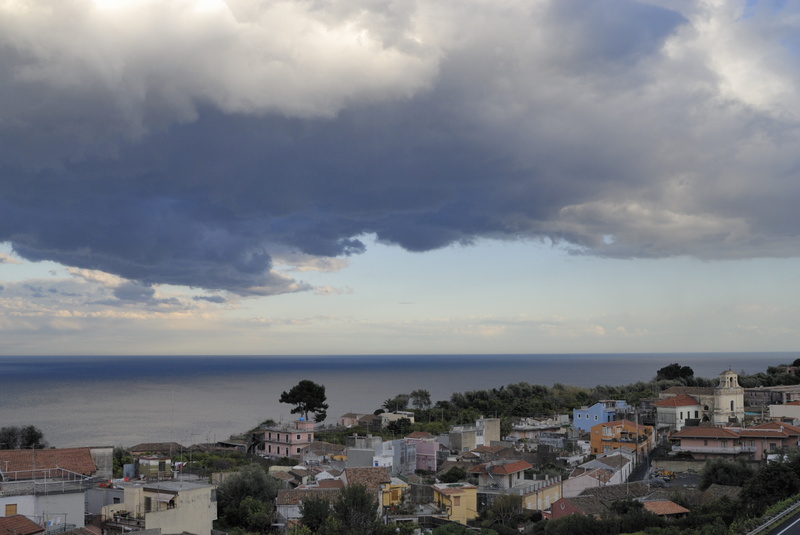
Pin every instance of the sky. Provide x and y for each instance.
(398, 176)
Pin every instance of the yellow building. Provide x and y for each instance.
(458, 500)
(392, 493)
(542, 494)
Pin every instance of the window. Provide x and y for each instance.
(298, 450)
(162, 466)
(269, 448)
(117, 500)
(456, 501)
(213, 495)
(298, 437)
(681, 415)
(11, 509)
(269, 435)
(696, 414)
(773, 446)
(705, 442)
(579, 416)
(148, 504)
(595, 417)
(732, 406)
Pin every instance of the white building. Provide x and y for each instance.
(172, 506)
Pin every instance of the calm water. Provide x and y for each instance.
(81, 401)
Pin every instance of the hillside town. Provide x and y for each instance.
(582, 462)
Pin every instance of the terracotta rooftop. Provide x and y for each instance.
(488, 449)
(791, 429)
(681, 400)
(73, 459)
(19, 525)
(665, 507)
(753, 432)
(704, 432)
(500, 468)
(371, 477)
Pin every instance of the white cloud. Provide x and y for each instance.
(8, 259)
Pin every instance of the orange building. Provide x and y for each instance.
(622, 434)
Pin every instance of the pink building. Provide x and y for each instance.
(288, 440)
(752, 443)
(427, 446)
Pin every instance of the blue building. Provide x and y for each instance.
(602, 412)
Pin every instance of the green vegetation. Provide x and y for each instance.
(307, 396)
(25, 438)
(674, 371)
(725, 472)
(244, 501)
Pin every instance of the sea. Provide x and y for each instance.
(126, 400)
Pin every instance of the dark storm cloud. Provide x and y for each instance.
(596, 124)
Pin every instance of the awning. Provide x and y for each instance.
(166, 498)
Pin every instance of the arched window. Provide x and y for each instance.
(731, 405)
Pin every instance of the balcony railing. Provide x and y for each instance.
(42, 482)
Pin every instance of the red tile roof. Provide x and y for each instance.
(73, 459)
(704, 432)
(677, 401)
(500, 468)
(19, 525)
(664, 507)
(371, 477)
(790, 429)
(752, 432)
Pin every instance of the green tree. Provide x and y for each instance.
(453, 475)
(674, 371)
(245, 499)
(356, 510)
(397, 403)
(421, 399)
(505, 509)
(307, 396)
(120, 458)
(28, 437)
(314, 511)
(401, 427)
(724, 472)
(773, 483)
